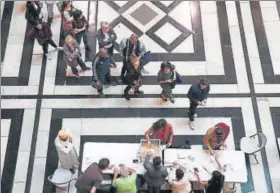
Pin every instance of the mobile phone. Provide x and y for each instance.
(196, 169)
(135, 161)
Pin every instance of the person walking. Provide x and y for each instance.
(67, 11)
(33, 12)
(101, 74)
(197, 94)
(67, 154)
(42, 32)
(155, 173)
(166, 79)
(50, 5)
(133, 78)
(72, 56)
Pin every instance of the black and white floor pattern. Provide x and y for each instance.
(234, 45)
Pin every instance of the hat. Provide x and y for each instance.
(63, 134)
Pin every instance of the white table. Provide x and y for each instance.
(236, 166)
(117, 153)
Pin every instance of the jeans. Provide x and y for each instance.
(192, 110)
(45, 45)
(81, 64)
(105, 80)
(154, 189)
(81, 35)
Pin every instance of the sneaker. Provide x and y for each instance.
(172, 100)
(87, 68)
(48, 56)
(126, 96)
(59, 48)
(144, 71)
(138, 92)
(101, 95)
(163, 98)
(191, 124)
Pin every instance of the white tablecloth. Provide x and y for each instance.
(236, 170)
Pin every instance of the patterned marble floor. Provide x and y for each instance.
(234, 45)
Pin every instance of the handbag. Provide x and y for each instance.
(145, 59)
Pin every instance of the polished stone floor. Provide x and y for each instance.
(233, 45)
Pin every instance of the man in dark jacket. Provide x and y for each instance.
(101, 71)
(198, 94)
(155, 175)
(33, 12)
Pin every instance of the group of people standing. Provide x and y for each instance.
(156, 174)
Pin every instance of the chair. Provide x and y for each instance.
(250, 145)
(61, 179)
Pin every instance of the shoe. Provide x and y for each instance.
(72, 170)
(87, 68)
(48, 56)
(172, 100)
(88, 49)
(163, 98)
(144, 71)
(191, 124)
(59, 48)
(126, 96)
(138, 92)
(101, 95)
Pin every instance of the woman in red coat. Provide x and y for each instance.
(42, 32)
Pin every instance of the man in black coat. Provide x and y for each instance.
(198, 94)
(33, 12)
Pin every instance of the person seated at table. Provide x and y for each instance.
(216, 183)
(181, 184)
(161, 130)
(216, 136)
(127, 182)
(155, 173)
(92, 177)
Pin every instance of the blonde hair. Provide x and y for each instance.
(133, 36)
(69, 39)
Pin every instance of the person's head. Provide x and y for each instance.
(124, 172)
(65, 5)
(165, 66)
(157, 161)
(217, 179)
(63, 135)
(103, 52)
(103, 163)
(69, 40)
(202, 84)
(133, 39)
(219, 134)
(159, 124)
(77, 14)
(179, 174)
(105, 26)
(135, 61)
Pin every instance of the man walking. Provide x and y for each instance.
(198, 94)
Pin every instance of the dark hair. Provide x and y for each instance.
(202, 82)
(165, 64)
(77, 14)
(157, 161)
(64, 4)
(217, 180)
(161, 123)
(179, 174)
(219, 132)
(103, 163)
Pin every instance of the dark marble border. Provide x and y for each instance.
(278, 8)
(275, 115)
(59, 114)
(8, 173)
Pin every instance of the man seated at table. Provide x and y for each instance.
(156, 173)
(161, 130)
(127, 182)
(92, 177)
(216, 136)
(181, 184)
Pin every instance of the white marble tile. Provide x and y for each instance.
(151, 23)
(151, 45)
(4, 142)
(5, 127)
(27, 130)
(18, 187)
(210, 6)
(120, 3)
(18, 103)
(185, 47)
(276, 184)
(267, 88)
(45, 119)
(49, 85)
(269, 13)
(21, 167)
(122, 32)
(267, 4)
(2, 7)
(274, 101)
(168, 33)
(92, 15)
(42, 144)
(182, 14)
(103, 15)
(20, 90)
(232, 15)
(38, 175)
(166, 3)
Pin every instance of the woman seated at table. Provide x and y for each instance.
(181, 184)
(216, 136)
(161, 130)
(127, 182)
(216, 183)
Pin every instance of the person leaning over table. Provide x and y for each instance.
(216, 183)
(161, 130)
(127, 182)
(216, 136)
(155, 173)
(181, 184)
(91, 179)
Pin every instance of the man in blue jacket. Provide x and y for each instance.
(198, 94)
